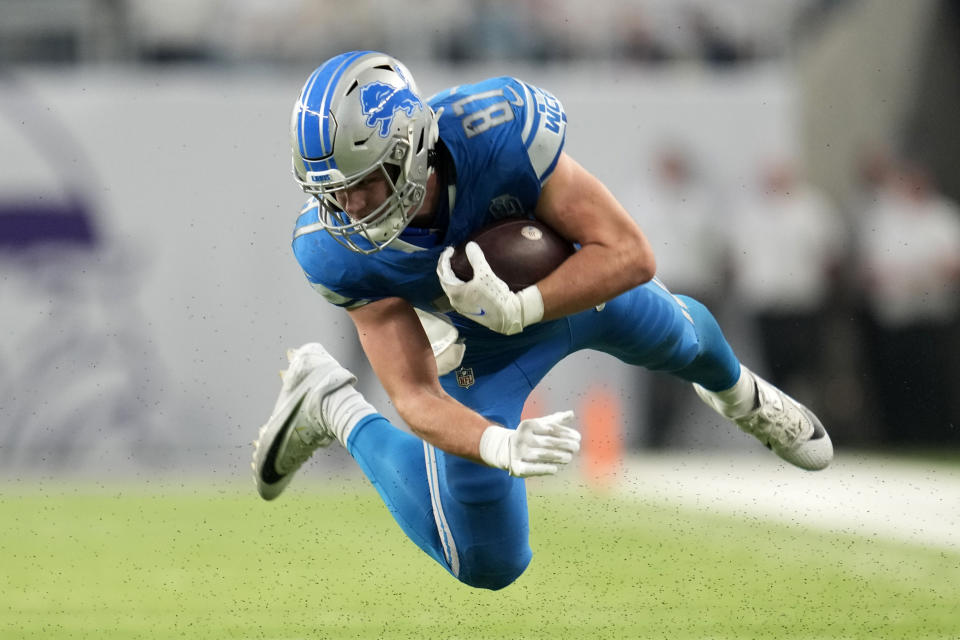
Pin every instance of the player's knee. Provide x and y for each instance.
(483, 571)
(492, 582)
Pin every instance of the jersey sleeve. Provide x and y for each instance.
(327, 274)
(544, 128)
(333, 297)
(505, 119)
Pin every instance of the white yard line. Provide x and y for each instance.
(858, 494)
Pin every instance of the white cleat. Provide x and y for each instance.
(296, 428)
(783, 425)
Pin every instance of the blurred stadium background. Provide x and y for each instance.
(780, 155)
(793, 162)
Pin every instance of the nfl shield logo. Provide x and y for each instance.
(465, 377)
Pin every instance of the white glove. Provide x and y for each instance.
(486, 299)
(538, 447)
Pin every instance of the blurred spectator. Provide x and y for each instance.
(875, 170)
(786, 245)
(679, 215)
(909, 240)
(495, 30)
(715, 45)
(215, 31)
(640, 41)
(873, 180)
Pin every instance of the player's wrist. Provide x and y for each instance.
(495, 446)
(531, 305)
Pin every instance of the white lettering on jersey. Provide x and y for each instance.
(543, 130)
(480, 120)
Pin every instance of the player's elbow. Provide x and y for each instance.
(644, 268)
(639, 263)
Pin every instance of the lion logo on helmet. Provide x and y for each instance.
(380, 102)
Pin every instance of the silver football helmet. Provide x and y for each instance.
(357, 114)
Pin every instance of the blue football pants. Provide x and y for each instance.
(471, 518)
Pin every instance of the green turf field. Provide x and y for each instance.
(193, 562)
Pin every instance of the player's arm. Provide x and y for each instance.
(615, 256)
(400, 354)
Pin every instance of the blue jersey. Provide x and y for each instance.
(505, 137)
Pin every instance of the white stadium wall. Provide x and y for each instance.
(149, 334)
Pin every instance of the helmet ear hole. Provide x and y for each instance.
(393, 172)
(420, 143)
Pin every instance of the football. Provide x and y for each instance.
(520, 251)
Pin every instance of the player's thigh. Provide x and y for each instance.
(498, 394)
(481, 512)
(482, 518)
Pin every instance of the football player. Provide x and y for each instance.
(395, 182)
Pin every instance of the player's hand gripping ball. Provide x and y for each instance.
(520, 251)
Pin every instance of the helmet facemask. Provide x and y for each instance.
(386, 221)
